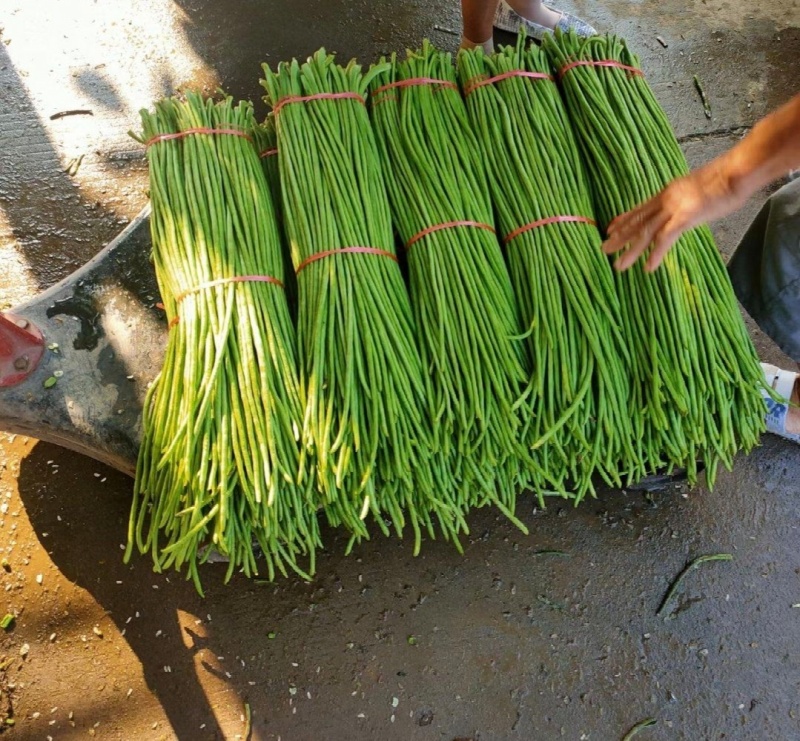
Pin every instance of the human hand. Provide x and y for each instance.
(704, 195)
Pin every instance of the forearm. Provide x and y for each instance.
(767, 153)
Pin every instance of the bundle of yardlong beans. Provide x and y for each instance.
(360, 366)
(579, 407)
(220, 458)
(696, 374)
(467, 319)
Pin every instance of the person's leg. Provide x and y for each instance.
(765, 269)
(536, 11)
(537, 18)
(765, 273)
(478, 16)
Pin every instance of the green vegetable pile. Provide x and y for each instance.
(579, 407)
(220, 458)
(303, 373)
(696, 376)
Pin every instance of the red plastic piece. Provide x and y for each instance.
(21, 349)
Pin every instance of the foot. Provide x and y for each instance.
(487, 46)
(537, 18)
(783, 417)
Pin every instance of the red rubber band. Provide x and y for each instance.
(412, 81)
(448, 225)
(545, 222)
(318, 96)
(268, 152)
(602, 63)
(173, 322)
(180, 134)
(328, 253)
(480, 81)
(224, 281)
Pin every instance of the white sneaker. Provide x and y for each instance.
(782, 383)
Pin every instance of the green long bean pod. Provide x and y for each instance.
(696, 376)
(220, 462)
(580, 409)
(476, 377)
(361, 373)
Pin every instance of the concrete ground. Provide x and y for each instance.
(508, 641)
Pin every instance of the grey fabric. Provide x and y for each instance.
(765, 269)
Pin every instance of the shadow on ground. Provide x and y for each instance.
(56, 225)
(510, 641)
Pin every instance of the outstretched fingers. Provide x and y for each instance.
(634, 232)
(663, 243)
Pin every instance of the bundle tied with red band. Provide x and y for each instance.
(694, 374)
(174, 135)
(578, 405)
(219, 461)
(460, 289)
(362, 379)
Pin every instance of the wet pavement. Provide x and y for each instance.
(508, 641)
